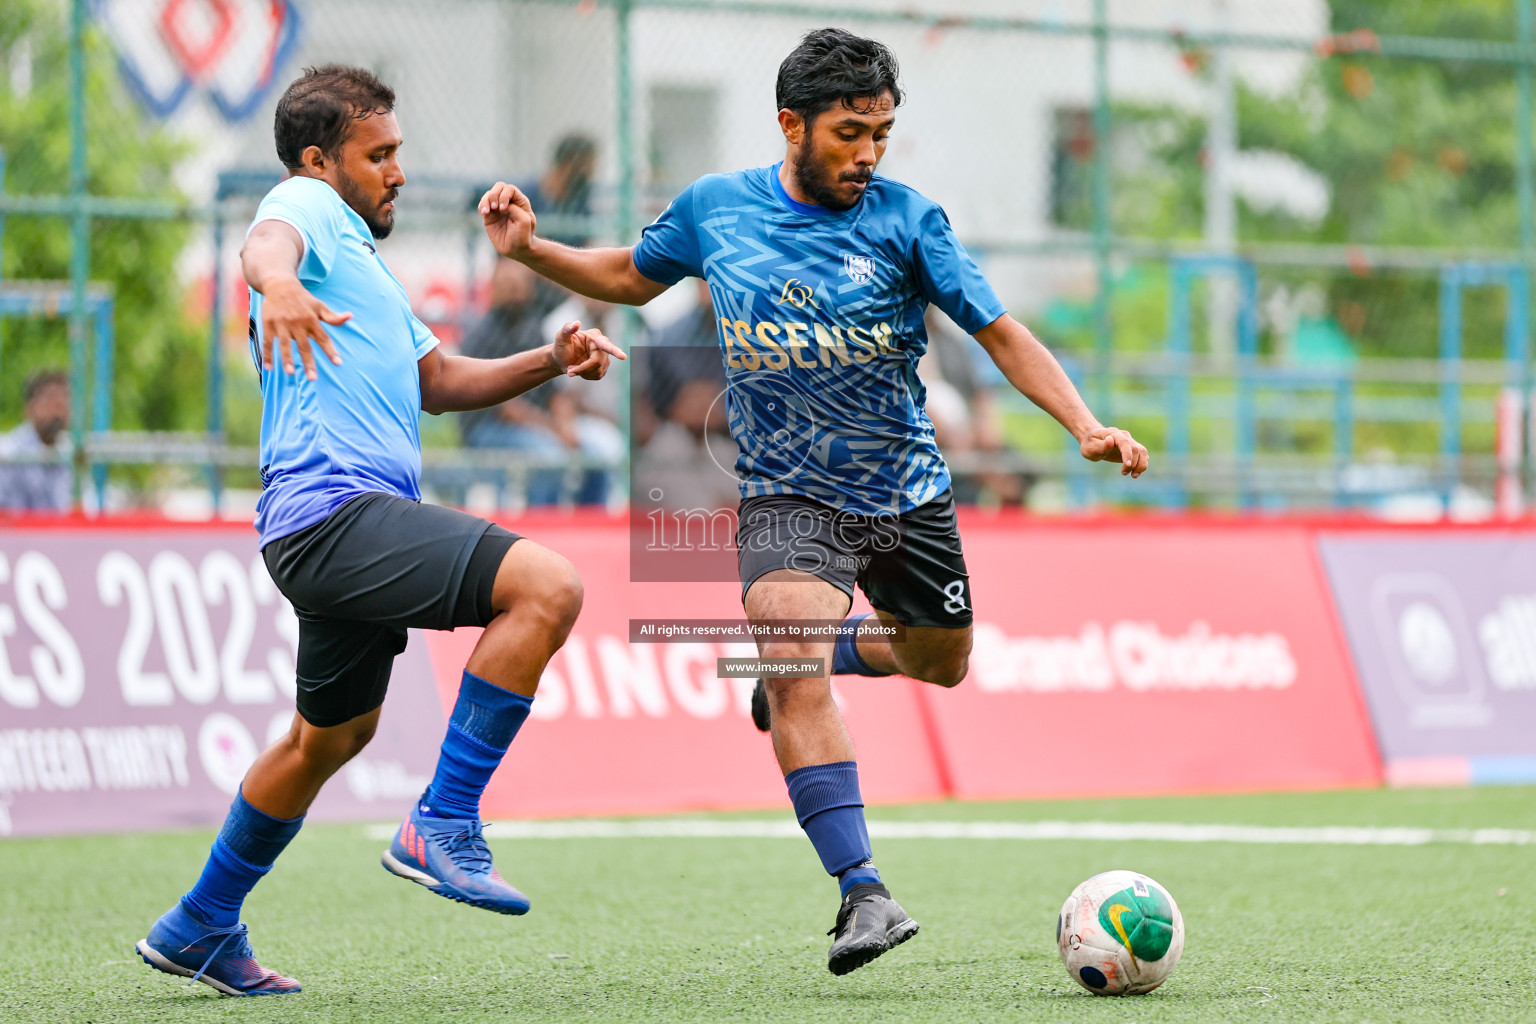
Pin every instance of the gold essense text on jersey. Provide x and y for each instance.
(775, 346)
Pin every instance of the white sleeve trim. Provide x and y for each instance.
(303, 245)
(431, 343)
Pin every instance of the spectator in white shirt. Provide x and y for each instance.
(35, 456)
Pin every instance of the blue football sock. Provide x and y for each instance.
(242, 853)
(830, 809)
(846, 660)
(856, 875)
(484, 720)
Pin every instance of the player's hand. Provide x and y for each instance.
(1111, 444)
(294, 319)
(509, 219)
(580, 353)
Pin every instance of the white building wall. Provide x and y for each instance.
(486, 87)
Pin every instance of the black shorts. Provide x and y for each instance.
(909, 565)
(376, 566)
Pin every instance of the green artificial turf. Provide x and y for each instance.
(732, 929)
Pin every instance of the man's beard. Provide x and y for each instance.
(816, 184)
(48, 431)
(352, 194)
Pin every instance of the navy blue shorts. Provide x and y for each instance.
(910, 566)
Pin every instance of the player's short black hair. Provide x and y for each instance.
(319, 107)
(831, 67)
(41, 381)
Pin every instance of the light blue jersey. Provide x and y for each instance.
(355, 430)
(821, 325)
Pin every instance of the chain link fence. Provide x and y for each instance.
(1286, 241)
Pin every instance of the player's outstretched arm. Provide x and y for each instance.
(461, 383)
(290, 315)
(1030, 367)
(608, 275)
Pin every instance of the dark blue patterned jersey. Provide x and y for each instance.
(820, 317)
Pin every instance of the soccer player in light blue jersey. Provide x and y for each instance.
(347, 539)
(820, 272)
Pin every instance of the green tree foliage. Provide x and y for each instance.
(160, 355)
(1415, 153)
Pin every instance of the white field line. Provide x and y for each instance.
(1110, 831)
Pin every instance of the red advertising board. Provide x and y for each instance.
(1111, 658)
(621, 727)
(1117, 658)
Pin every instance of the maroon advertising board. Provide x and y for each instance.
(142, 670)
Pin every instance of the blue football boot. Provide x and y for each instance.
(182, 945)
(449, 856)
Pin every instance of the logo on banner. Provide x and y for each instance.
(1429, 645)
(226, 749)
(228, 50)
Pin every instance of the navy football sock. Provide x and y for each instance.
(830, 809)
(242, 853)
(846, 659)
(857, 874)
(484, 721)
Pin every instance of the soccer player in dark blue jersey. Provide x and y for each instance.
(820, 271)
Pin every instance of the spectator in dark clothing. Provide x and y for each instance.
(686, 378)
(687, 454)
(565, 190)
(545, 423)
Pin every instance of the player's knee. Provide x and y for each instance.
(330, 748)
(950, 674)
(947, 670)
(360, 736)
(545, 587)
(784, 695)
(561, 594)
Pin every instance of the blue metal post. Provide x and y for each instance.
(2, 249)
(1177, 385)
(1343, 428)
(1247, 353)
(1517, 354)
(80, 240)
(1525, 192)
(212, 472)
(1451, 280)
(1184, 270)
(101, 399)
(1517, 324)
(628, 206)
(1103, 222)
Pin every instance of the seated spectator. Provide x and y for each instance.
(686, 375)
(35, 473)
(680, 413)
(588, 411)
(565, 190)
(548, 422)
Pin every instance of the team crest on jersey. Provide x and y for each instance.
(860, 269)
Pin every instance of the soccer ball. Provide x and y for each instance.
(1120, 934)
